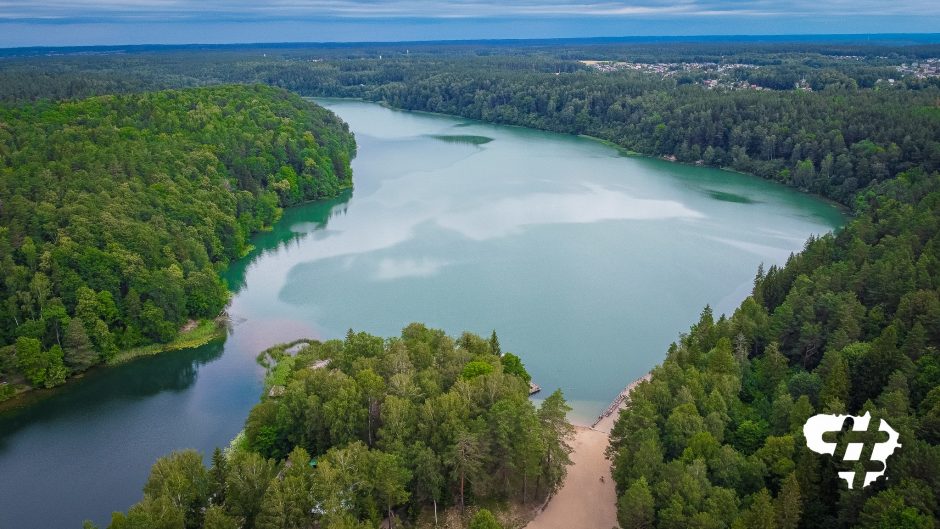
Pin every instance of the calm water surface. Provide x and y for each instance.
(586, 262)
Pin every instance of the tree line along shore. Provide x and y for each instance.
(117, 214)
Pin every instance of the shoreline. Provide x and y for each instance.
(845, 209)
(588, 496)
(204, 332)
(605, 421)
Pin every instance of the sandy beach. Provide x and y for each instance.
(587, 499)
(584, 501)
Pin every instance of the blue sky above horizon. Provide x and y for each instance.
(97, 22)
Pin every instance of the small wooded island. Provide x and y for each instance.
(117, 213)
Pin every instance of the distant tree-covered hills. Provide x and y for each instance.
(117, 212)
(856, 118)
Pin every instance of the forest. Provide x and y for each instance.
(850, 325)
(117, 213)
(831, 143)
(847, 129)
(353, 432)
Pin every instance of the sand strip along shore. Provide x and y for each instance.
(587, 499)
(605, 421)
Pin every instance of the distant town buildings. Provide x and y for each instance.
(921, 69)
(722, 75)
(667, 69)
(719, 74)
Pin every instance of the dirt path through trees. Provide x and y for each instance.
(585, 501)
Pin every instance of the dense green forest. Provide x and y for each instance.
(850, 325)
(831, 143)
(117, 212)
(847, 133)
(351, 432)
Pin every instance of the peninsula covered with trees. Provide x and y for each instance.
(352, 432)
(117, 213)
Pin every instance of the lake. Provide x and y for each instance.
(586, 262)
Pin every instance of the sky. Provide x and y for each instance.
(105, 22)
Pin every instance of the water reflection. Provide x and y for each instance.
(467, 139)
(392, 268)
(175, 372)
(729, 197)
(594, 204)
(295, 225)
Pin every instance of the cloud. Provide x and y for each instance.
(389, 268)
(113, 22)
(595, 204)
(245, 10)
(774, 253)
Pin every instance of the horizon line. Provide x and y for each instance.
(806, 37)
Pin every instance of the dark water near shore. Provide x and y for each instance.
(586, 262)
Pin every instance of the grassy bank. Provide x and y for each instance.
(18, 394)
(623, 150)
(202, 333)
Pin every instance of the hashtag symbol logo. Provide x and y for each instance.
(866, 443)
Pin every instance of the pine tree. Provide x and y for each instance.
(834, 370)
(760, 515)
(788, 504)
(772, 369)
(635, 509)
(79, 353)
(556, 430)
(466, 458)
(218, 473)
